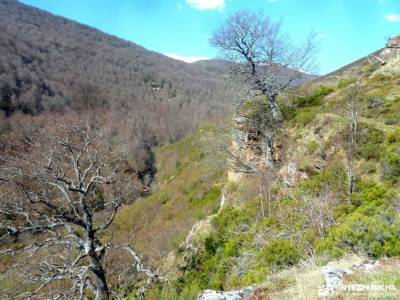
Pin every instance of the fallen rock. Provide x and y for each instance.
(291, 175)
(392, 47)
(333, 279)
(366, 266)
(242, 294)
(375, 102)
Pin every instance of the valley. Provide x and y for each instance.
(126, 174)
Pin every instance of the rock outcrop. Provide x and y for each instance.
(392, 47)
(242, 294)
(245, 149)
(249, 148)
(333, 279)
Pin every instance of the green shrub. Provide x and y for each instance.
(379, 80)
(208, 268)
(281, 253)
(315, 98)
(370, 151)
(370, 140)
(371, 197)
(288, 111)
(368, 134)
(333, 177)
(304, 116)
(369, 68)
(211, 245)
(254, 107)
(190, 292)
(346, 82)
(391, 120)
(391, 166)
(394, 137)
(369, 167)
(370, 225)
(362, 233)
(312, 146)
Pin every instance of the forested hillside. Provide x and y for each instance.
(325, 215)
(125, 174)
(50, 64)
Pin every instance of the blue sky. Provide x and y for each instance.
(347, 29)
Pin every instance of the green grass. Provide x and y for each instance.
(244, 247)
(190, 176)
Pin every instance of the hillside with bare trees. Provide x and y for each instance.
(50, 64)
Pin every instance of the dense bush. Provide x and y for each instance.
(370, 151)
(370, 225)
(391, 165)
(315, 98)
(301, 110)
(254, 107)
(304, 116)
(281, 253)
(346, 82)
(369, 141)
(393, 137)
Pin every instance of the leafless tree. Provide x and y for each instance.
(265, 57)
(265, 61)
(58, 201)
(353, 96)
(265, 180)
(317, 210)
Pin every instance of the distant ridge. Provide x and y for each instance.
(49, 63)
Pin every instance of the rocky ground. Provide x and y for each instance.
(348, 278)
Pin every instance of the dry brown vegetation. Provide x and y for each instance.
(49, 63)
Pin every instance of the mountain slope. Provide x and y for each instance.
(49, 63)
(301, 212)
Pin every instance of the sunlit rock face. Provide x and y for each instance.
(246, 293)
(247, 151)
(392, 47)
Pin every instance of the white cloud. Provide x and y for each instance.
(393, 18)
(188, 59)
(206, 4)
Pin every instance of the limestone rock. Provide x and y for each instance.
(249, 147)
(242, 294)
(291, 174)
(333, 279)
(375, 102)
(394, 42)
(392, 47)
(366, 266)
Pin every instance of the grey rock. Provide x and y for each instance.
(333, 279)
(375, 102)
(366, 266)
(241, 120)
(393, 42)
(242, 294)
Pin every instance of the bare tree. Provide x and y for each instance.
(265, 61)
(317, 210)
(58, 200)
(265, 57)
(353, 95)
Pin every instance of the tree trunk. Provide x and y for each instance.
(102, 293)
(274, 107)
(269, 147)
(351, 176)
(253, 67)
